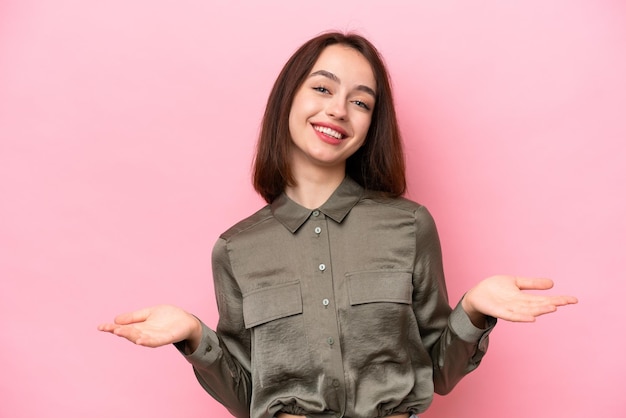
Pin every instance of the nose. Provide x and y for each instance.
(337, 108)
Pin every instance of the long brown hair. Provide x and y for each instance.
(378, 165)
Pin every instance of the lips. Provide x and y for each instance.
(333, 132)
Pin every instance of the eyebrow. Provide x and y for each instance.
(333, 77)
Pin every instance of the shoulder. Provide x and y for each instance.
(401, 206)
(392, 203)
(259, 217)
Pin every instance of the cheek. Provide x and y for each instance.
(291, 123)
(294, 116)
(296, 123)
(364, 125)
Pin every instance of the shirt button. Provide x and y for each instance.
(325, 302)
(316, 213)
(335, 383)
(322, 267)
(330, 341)
(318, 230)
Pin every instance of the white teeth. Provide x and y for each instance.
(328, 131)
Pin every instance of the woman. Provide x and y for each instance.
(332, 299)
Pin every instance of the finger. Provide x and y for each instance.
(542, 310)
(150, 340)
(133, 317)
(528, 313)
(140, 337)
(549, 305)
(531, 283)
(128, 332)
(516, 316)
(538, 300)
(107, 327)
(563, 300)
(147, 341)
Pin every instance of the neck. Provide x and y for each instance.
(313, 188)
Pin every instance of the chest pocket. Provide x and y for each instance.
(271, 303)
(381, 322)
(380, 286)
(274, 316)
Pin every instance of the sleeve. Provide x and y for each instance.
(221, 362)
(455, 345)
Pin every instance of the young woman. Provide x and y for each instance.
(332, 299)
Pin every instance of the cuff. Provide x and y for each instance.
(462, 326)
(208, 350)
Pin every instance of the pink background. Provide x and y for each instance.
(126, 137)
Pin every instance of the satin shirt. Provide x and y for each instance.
(341, 311)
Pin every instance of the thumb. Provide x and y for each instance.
(133, 317)
(527, 283)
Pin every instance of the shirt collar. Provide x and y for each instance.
(338, 205)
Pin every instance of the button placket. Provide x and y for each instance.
(327, 335)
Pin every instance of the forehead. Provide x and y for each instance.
(348, 64)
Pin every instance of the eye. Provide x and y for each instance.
(361, 104)
(321, 89)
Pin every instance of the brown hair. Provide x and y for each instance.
(378, 165)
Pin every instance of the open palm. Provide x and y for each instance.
(155, 326)
(503, 297)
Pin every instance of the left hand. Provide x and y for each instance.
(502, 297)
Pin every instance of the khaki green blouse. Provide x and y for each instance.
(340, 311)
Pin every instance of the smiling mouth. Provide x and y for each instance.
(328, 131)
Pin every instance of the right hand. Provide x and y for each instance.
(157, 326)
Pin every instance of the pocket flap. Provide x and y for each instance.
(380, 286)
(270, 303)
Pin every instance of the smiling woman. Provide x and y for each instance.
(329, 119)
(332, 298)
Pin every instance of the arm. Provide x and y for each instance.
(221, 360)
(456, 346)
(458, 343)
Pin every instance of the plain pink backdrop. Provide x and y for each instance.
(126, 136)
